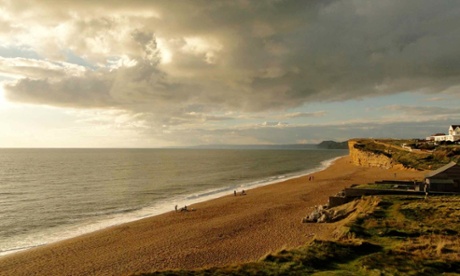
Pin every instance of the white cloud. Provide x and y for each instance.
(190, 63)
(208, 48)
(38, 69)
(274, 124)
(306, 114)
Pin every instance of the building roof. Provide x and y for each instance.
(454, 126)
(451, 170)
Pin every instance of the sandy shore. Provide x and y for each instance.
(227, 230)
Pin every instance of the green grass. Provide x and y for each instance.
(375, 186)
(390, 235)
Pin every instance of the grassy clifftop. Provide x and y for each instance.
(408, 153)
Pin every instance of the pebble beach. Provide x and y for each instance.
(229, 230)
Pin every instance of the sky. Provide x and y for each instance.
(166, 73)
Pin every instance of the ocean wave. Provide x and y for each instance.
(208, 193)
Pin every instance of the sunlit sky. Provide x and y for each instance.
(153, 73)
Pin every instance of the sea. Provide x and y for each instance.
(48, 195)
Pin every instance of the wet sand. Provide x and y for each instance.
(228, 230)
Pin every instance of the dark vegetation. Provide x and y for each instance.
(333, 145)
(386, 236)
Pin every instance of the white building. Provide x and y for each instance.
(453, 136)
(454, 133)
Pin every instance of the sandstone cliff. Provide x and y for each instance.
(365, 158)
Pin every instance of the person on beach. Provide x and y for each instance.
(426, 189)
(234, 192)
(175, 207)
(243, 192)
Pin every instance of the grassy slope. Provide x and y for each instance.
(384, 236)
(421, 160)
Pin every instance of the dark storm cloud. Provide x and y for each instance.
(424, 110)
(250, 56)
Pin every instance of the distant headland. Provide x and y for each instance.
(323, 145)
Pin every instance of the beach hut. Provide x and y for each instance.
(444, 179)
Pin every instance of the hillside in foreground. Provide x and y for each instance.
(390, 235)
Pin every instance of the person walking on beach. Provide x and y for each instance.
(175, 207)
(234, 192)
(426, 189)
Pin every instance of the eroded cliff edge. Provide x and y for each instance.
(379, 157)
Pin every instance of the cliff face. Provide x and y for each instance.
(369, 159)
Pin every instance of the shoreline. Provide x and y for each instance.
(222, 231)
(73, 231)
(261, 183)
